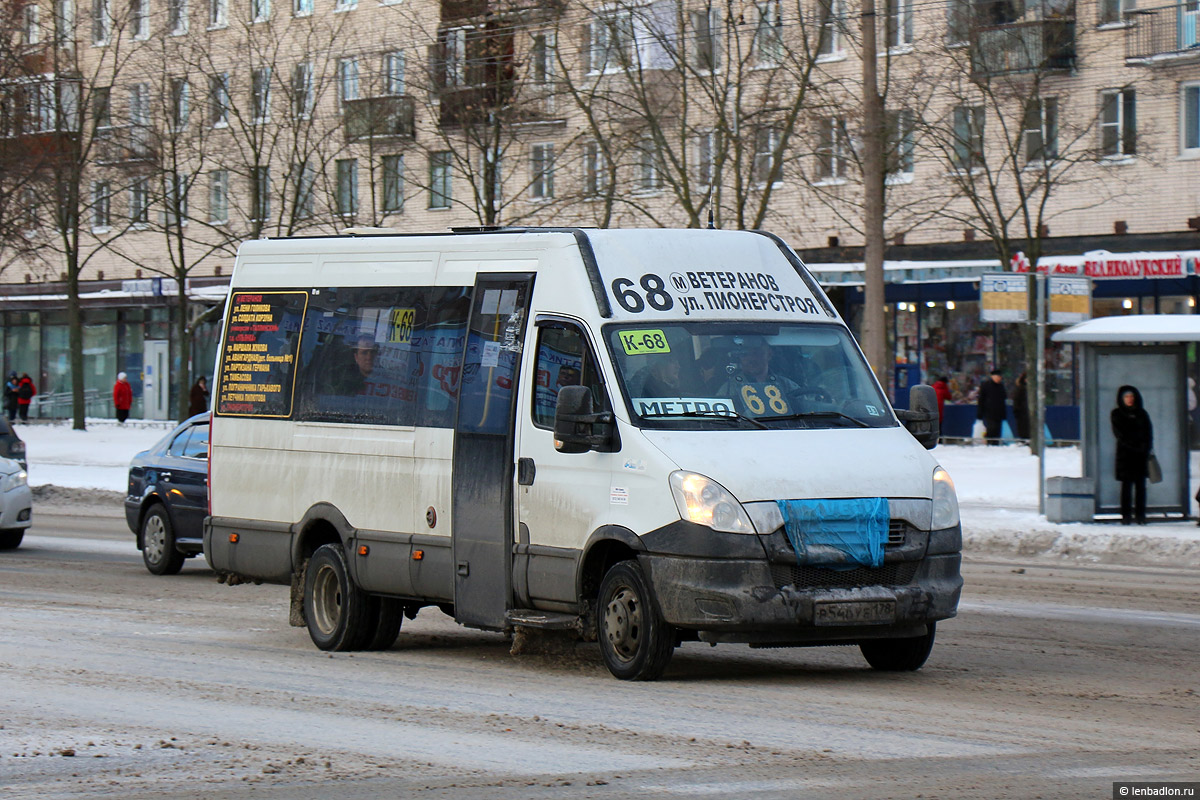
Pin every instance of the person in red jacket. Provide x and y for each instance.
(941, 387)
(25, 392)
(122, 397)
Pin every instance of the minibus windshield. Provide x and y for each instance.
(691, 375)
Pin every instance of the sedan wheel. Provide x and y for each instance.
(158, 543)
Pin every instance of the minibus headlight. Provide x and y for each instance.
(14, 481)
(945, 501)
(706, 502)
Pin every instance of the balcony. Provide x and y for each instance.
(1167, 34)
(387, 117)
(1035, 46)
(126, 144)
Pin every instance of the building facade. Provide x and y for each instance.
(165, 132)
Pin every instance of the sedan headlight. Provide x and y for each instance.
(704, 501)
(14, 480)
(945, 500)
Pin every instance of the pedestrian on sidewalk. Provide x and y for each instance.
(198, 399)
(122, 397)
(993, 406)
(1021, 405)
(11, 387)
(1135, 441)
(25, 392)
(941, 388)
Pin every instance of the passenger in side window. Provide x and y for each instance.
(351, 377)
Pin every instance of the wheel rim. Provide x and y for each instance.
(154, 538)
(327, 600)
(623, 623)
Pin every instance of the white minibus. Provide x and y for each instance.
(647, 437)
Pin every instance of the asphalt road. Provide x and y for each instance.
(1055, 681)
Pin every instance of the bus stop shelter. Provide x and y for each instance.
(1149, 352)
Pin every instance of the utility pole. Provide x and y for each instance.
(874, 330)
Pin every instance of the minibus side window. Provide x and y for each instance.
(563, 359)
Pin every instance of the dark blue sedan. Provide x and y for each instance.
(168, 497)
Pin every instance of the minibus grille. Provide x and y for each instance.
(898, 574)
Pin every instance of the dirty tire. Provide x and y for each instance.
(898, 655)
(11, 539)
(338, 613)
(634, 639)
(388, 615)
(158, 543)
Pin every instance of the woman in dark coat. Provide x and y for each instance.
(1135, 439)
(1021, 406)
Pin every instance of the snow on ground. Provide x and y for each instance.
(997, 489)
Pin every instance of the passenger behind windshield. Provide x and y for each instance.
(800, 375)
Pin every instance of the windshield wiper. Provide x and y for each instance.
(816, 415)
(725, 415)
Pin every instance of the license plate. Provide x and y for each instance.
(870, 612)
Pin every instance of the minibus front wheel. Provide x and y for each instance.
(899, 655)
(635, 640)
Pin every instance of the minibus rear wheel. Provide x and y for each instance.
(898, 655)
(387, 614)
(338, 613)
(636, 642)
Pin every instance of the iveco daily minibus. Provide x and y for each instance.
(645, 436)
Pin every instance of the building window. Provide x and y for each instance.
(706, 39)
(768, 161)
(64, 22)
(768, 32)
(833, 25)
(439, 179)
(102, 108)
(177, 17)
(1190, 123)
(139, 202)
(958, 21)
(302, 8)
(179, 103)
(706, 153)
(101, 21)
(968, 138)
(1118, 123)
(595, 170)
(101, 205)
(260, 10)
(833, 152)
(302, 90)
(610, 41)
(176, 199)
(218, 13)
(541, 171)
(393, 184)
(347, 187)
(139, 19)
(139, 118)
(1115, 10)
(393, 73)
(348, 79)
(31, 29)
(899, 24)
(1041, 130)
(647, 177)
(542, 58)
(303, 182)
(900, 144)
(218, 99)
(345, 5)
(260, 194)
(260, 94)
(218, 196)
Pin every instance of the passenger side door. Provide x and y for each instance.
(184, 481)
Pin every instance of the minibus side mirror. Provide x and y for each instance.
(574, 422)
(921, 418)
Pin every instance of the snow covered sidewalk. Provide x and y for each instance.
(997, 490)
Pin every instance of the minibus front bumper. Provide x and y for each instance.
(736, 600)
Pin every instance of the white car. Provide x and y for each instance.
(16, 504)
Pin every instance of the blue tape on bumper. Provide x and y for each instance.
(837, 533)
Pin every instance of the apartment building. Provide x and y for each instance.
(167, 131)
